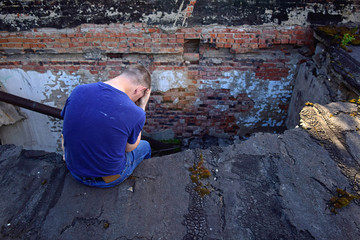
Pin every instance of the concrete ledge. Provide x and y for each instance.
(267, 187)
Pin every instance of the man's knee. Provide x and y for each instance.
(145, 144)
(147, 148)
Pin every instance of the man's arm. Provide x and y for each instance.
(62, 146)
(141, 103)
(130, 147)
(144, 99)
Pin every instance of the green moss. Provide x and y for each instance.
(341, 199)
(198, 173)
(106, 225)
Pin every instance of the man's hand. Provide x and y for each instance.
(144, 99)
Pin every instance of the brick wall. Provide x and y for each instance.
(220, 68)
(201, 104)
(138, 38)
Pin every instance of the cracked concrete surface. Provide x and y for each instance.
(271, 186)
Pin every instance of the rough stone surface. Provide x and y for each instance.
(9, 114)
(268, 187)
(330, 75)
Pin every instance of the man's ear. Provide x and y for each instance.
(139, 89)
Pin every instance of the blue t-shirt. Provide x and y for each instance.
(98, 122)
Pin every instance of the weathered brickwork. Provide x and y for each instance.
(201, 104)
(137, 38)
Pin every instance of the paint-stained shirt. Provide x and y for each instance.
(98, 122)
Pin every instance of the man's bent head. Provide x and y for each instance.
(138, 75)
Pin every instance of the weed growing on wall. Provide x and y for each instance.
(343, 36)
(346, 39)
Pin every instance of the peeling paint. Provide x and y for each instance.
(166, 80)
(264, 93)
(38, 131)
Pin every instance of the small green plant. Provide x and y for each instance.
(346, 39)
(172, 141)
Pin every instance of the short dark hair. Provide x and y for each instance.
(138, 74)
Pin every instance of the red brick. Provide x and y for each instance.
(64, 40)
(152, 30)
(47, 40)
(240, 41)
(136, 49)
(300, 37)
(155, 35)
(239, 35)
(17, 40)
(12, 45)
(254, 40)
(139, 35)
(122, 49)
(192, 36)
(188, 30)
(299, 32)
(284, 41)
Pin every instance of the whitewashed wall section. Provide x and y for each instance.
(165, 80)
(38, 131)
(266, 94)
